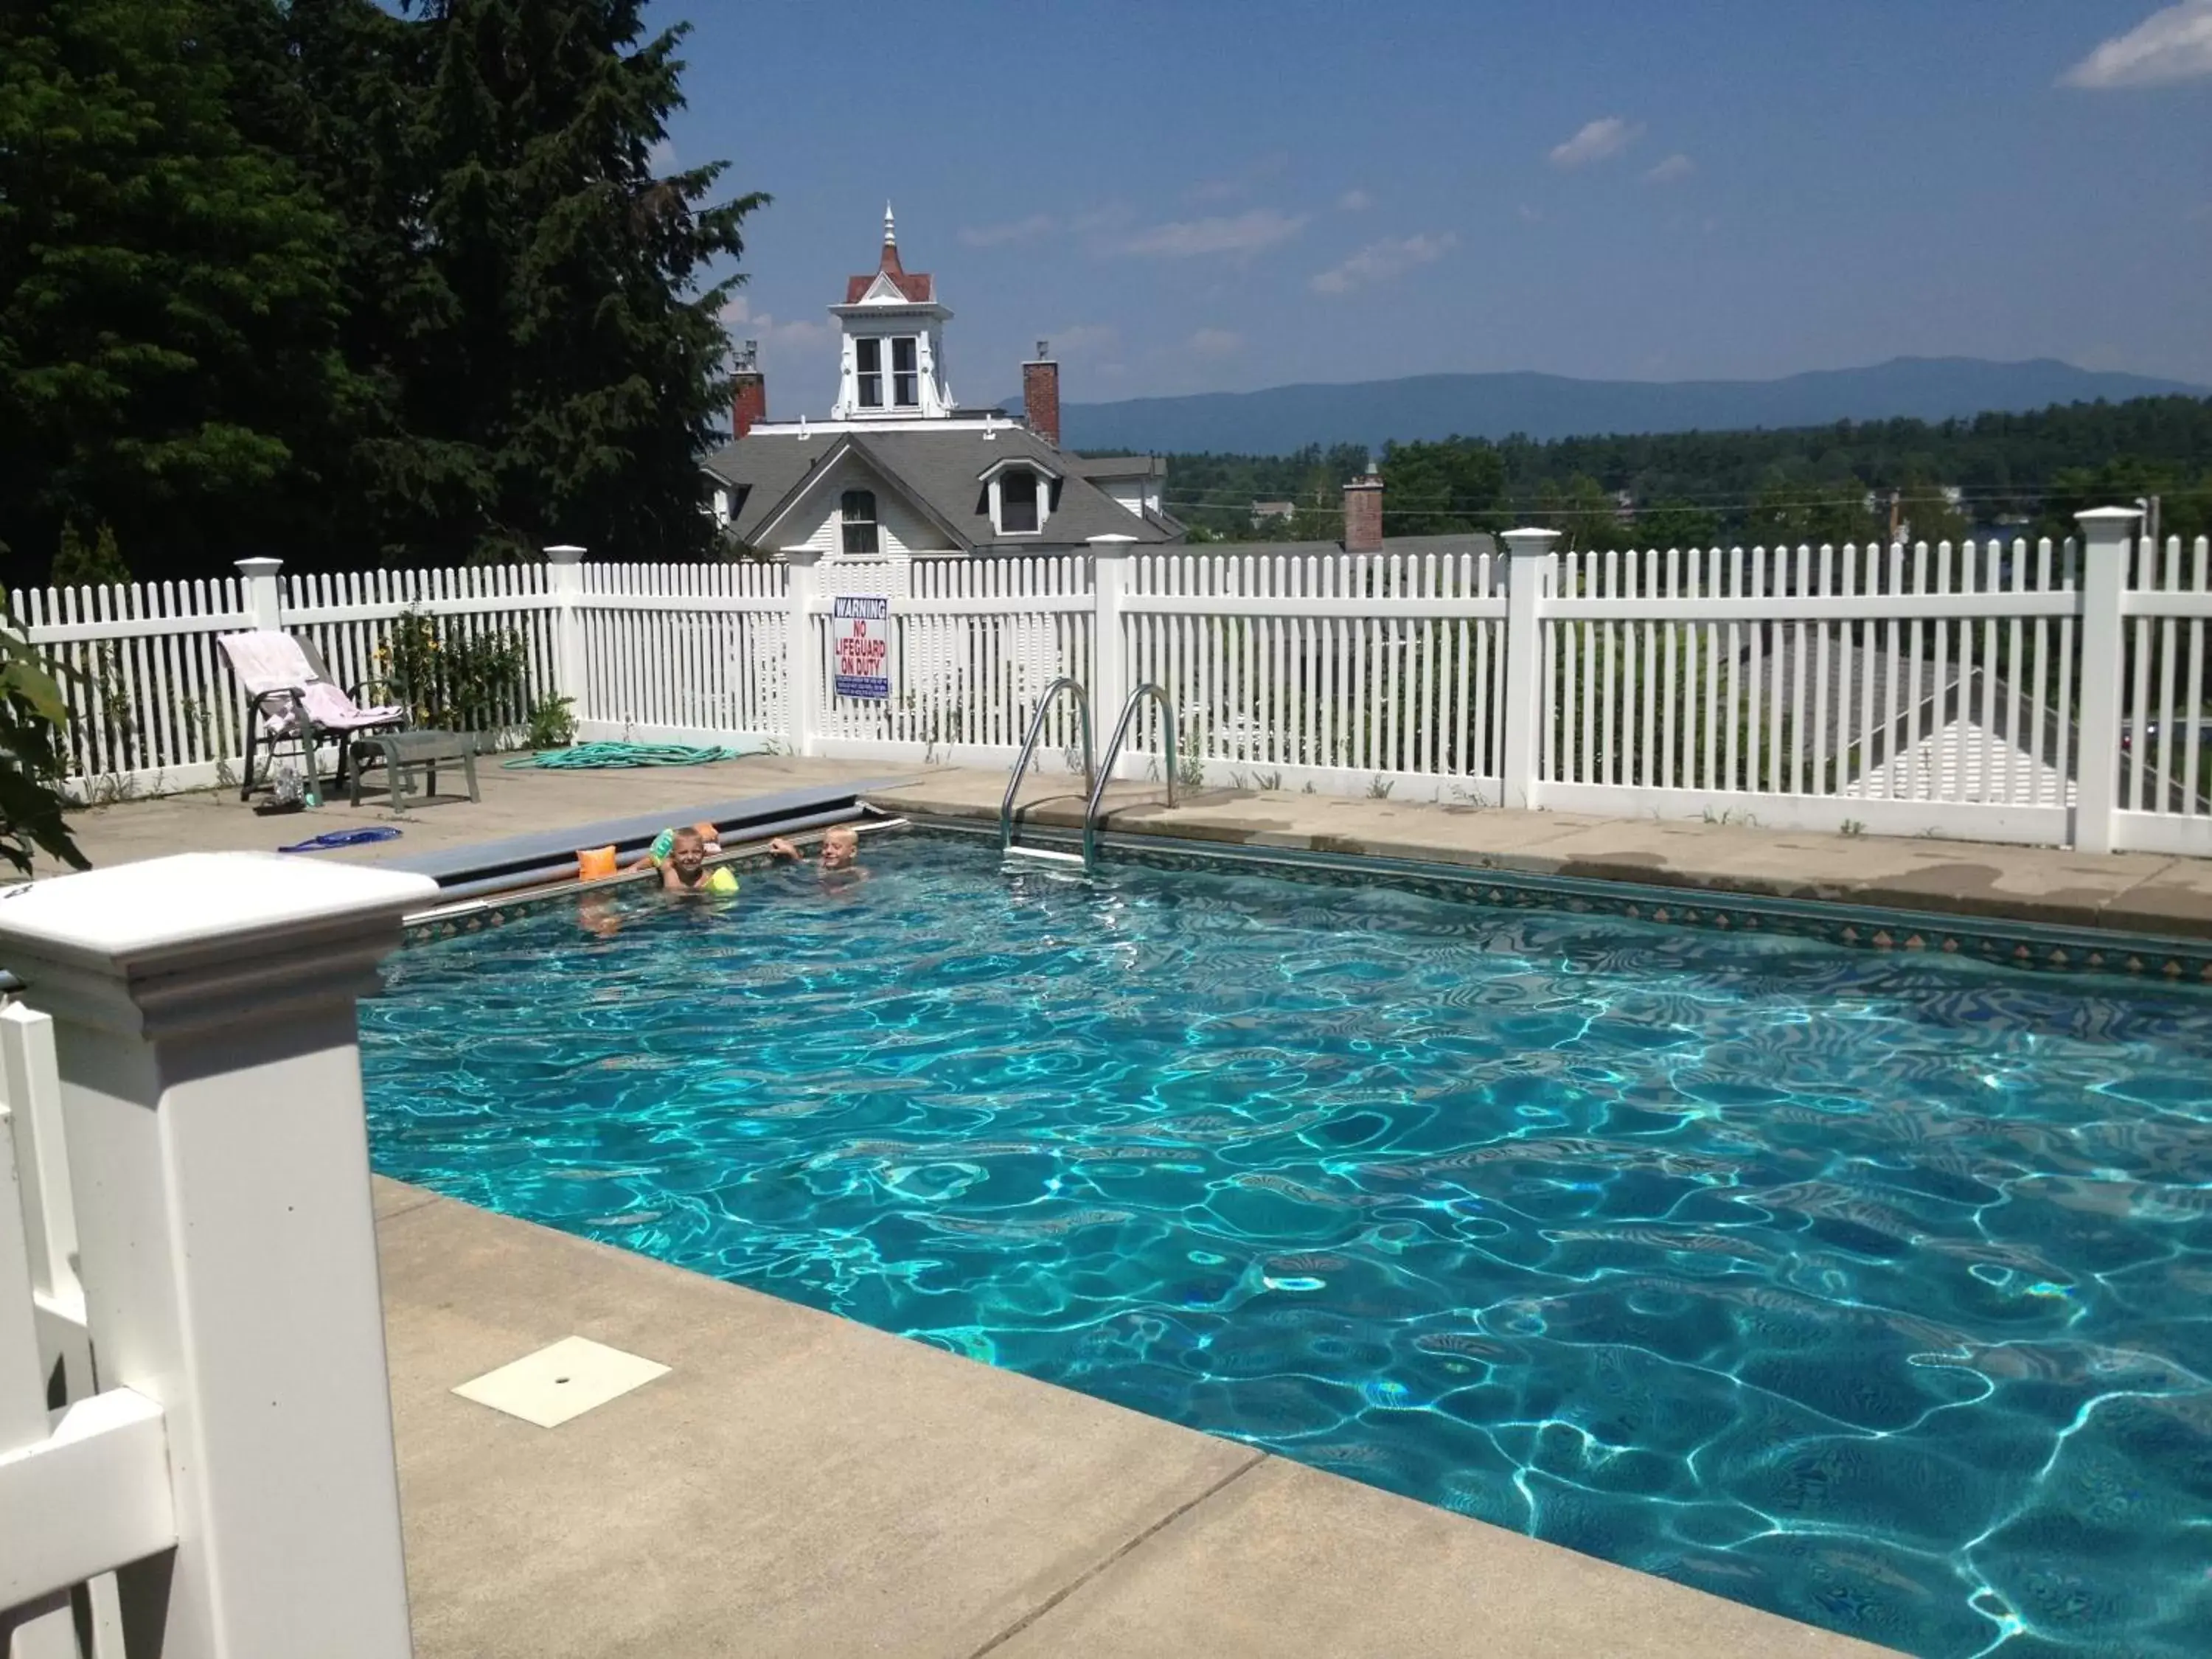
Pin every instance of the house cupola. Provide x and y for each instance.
(890, 350)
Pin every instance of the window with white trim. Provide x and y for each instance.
(857, 509)
(868, 360)
(906, 373)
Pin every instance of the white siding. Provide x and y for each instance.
(901, 527)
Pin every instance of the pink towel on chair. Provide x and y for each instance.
(267, 660)
(333, 710)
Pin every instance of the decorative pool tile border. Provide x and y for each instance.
(2028, 944)
(2035, 945)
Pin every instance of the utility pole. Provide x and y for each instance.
(2150, 506)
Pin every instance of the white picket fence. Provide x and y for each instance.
(2010, 690)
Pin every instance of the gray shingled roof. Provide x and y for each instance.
(768, 470)
(939, 470)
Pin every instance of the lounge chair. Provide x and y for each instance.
(290, 695)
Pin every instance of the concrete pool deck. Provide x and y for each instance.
(798, 1485)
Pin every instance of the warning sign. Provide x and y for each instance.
(860, 635)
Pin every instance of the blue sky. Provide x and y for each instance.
(1207, 195)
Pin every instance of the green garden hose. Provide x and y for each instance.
(597, 757)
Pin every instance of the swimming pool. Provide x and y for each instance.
(1873, 1289)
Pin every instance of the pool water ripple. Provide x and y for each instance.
(1873, 1290)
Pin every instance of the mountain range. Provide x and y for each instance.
(1283, 418)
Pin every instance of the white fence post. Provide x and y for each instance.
(2104, 536)
(1109, 687)
(263, 601)
(565, 570)
(1526, 697)
(203, 1010)
(803, 666)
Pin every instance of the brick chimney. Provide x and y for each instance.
(1041, 394)
(748, 391)
(1363, 512)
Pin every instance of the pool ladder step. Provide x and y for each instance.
(1045, 855)
(1094, 777)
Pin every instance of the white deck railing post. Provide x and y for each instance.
(1109, 678)
(2106, 532)
(204, 1019)
(27, 1086)
(564, 570)
(264, 602)
(1527, 698)
(803, 665)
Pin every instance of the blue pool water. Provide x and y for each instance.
(1875, 1290)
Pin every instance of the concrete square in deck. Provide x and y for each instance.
(561, 1381)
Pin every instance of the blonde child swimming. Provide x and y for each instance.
(840, 864)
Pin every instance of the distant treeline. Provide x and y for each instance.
(2010, 474)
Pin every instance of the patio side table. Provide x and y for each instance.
(405, 754)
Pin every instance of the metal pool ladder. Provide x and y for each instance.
(1113, 752)
(1006, 847)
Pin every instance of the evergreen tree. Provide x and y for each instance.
(574, 362)
(167, 303)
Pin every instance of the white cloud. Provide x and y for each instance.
(1677, 165)
(2168, 46)
(1243, 233)
(1380, 261)
(778, 339)
(1527, 215)
(1085, 340)
(1019, 230)
(1598, 141)
(1355, 201)
(1216, 342)
(661, 158)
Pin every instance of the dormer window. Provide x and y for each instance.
(868, 359)
(857, 509)
(1017, 495)
(1017, 502)
(906, 379)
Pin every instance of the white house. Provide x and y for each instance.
(898, 467)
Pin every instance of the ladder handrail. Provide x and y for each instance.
(1065, 682)
(1113, 750)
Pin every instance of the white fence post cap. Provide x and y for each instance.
(204, 939)
(1530, 540)
(2112, 515)
(260, 567)
(1114, 538)
(563, 553)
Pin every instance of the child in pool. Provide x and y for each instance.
(839, 864)
(684, 870)
(657, 855)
